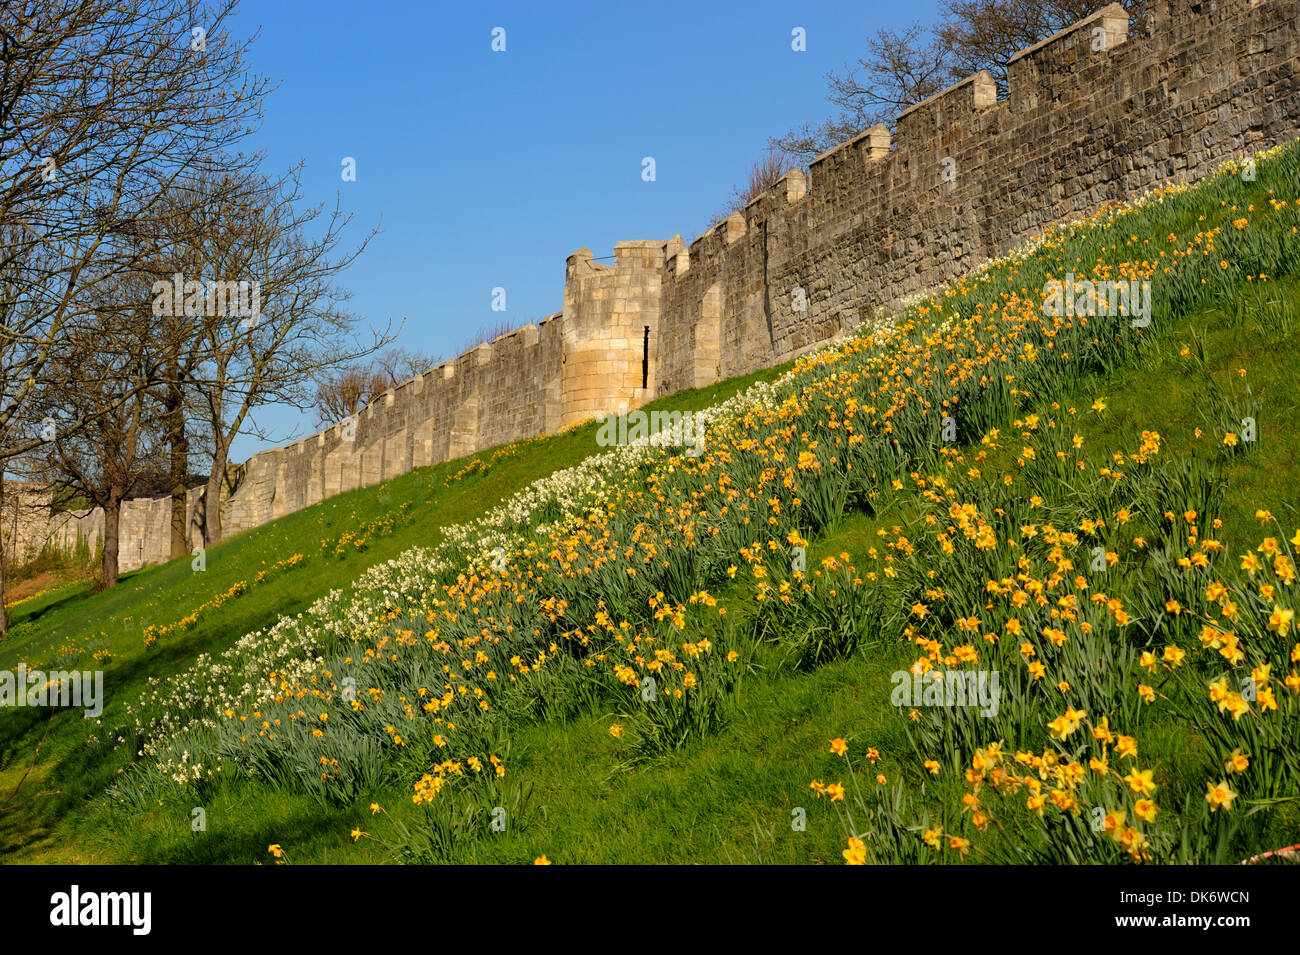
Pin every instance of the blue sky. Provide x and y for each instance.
(487, 169)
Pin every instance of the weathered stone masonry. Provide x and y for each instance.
(1091, 115)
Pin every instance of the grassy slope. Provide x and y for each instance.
(64, 627)
(729, 797)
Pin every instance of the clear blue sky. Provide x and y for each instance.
(488, 169)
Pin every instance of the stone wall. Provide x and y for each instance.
(28, 526)
(498, 392)
(611, 321)
(1091, 115)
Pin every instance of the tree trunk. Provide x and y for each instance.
(4, 617)
(112, 530)
(212, 498)
(178, 446)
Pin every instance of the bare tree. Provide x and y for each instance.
(103, 103)
(105, 370)
(986, 34)
(486, 334)
(402, 364)
(196, 206)
(902, 68)
(763, 175)
(4, 614)
(342, 392)
(290, 324)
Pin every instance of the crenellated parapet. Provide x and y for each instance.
(611, 324)
(1090, 114)
(498, 391)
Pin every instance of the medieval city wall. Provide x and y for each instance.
(1091, 115)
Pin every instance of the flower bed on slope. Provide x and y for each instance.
(596, 583)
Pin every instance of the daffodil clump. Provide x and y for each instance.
(1099, 605)
(240, 587)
